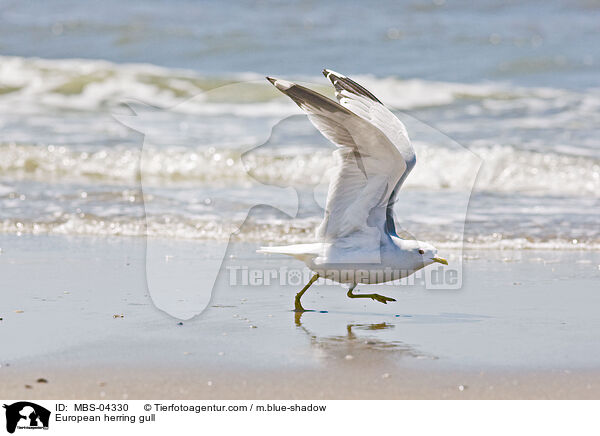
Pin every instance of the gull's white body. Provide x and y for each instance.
(373, 158)
(392, 260)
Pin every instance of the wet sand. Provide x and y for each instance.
(524, 325)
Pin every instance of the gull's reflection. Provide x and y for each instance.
(352, 343)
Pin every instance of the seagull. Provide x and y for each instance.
(357, 239)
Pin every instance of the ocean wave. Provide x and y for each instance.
(504, 169)
(270, 231)
(67, 167)
(81, 84)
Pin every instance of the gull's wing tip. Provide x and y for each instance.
(343, 83)
(282, 85)
(327, 72)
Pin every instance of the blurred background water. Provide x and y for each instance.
(516, 83)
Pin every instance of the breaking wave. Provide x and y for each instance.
(82, 84)
(503, 168)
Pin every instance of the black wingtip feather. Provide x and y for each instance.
(342, 82)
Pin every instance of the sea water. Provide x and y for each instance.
(134, 119)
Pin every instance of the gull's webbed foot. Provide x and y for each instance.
(297, 304)
(381, 298)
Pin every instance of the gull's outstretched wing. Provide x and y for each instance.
(369, 162)
(360, 101)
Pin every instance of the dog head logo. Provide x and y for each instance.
(26, 415)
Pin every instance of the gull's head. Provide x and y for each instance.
(424, 252)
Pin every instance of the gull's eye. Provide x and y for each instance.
(421, 252)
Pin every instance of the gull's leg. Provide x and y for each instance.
(297, 305)
(380, 298)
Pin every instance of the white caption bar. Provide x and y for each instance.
(299, 417)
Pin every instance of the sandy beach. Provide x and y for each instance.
(356, 381)
(64, 297)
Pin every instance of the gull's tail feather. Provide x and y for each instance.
(299, 251)
(273, 250)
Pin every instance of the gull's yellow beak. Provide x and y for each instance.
(440, 260)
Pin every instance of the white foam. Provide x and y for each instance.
(504, 168)
(206, 227)
(91, 84)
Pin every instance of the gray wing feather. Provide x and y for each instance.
(346, 91)
(370, 164)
